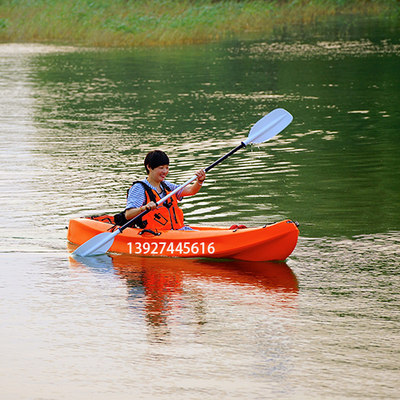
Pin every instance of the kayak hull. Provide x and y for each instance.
(273, 242)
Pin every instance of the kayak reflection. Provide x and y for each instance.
(163, 286)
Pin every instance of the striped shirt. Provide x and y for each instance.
(137, 196)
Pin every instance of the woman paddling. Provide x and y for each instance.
(143, 195)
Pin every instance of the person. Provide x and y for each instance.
(143, 195)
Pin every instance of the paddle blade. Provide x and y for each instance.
(269, 126)
(97, 245)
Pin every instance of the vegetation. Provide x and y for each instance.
(162, 22)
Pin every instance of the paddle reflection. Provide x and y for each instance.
(166, 287)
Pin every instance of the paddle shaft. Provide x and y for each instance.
(241, 145)
(159, 202)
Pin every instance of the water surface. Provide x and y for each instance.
(75, 126)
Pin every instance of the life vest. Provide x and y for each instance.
(166, 216)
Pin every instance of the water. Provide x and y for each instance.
(75, 125)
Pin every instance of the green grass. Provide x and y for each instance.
(137, 23)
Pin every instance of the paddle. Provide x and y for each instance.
(263, 130)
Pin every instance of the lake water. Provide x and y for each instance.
(75, 125)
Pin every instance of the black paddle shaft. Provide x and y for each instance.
(241, 145)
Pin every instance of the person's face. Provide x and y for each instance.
(159, 173)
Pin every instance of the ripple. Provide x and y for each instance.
(335, 49)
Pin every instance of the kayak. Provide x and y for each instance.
(274, 242)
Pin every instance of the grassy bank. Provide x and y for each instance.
(135, 22)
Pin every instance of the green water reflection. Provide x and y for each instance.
(335, 169)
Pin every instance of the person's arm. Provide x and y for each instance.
(134, 204)
(133, 212)
(196, 186)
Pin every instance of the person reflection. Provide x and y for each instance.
(160, 290)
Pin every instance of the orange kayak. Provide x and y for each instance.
(273, 242)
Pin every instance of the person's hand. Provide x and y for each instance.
(201, 176)
(149, 206)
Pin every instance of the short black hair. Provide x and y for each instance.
(154, 159)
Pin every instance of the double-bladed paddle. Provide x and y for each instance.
(263, 130)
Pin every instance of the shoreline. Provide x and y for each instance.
(161, 23)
